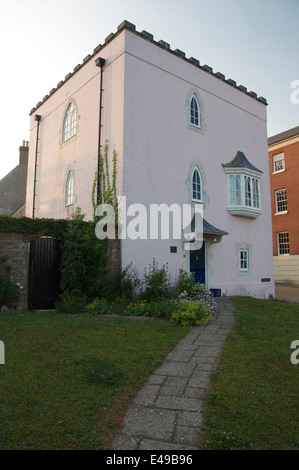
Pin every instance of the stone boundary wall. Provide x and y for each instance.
(16, 247)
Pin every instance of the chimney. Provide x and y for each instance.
(24, 149)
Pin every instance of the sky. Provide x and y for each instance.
(255, 43)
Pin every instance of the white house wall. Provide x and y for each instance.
(78, 153)
(159, 148)
(145, 119)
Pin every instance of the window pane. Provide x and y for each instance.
(69, 190)
(196, 186)
(235, 190)
(256, 196)
(281, 200)
(283, 243)
(278, 162)
(194, 112)
(247, 181)
(244, 260)
(69, 123)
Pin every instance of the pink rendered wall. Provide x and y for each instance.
(80, 151)
(145, 120)
(159, 149)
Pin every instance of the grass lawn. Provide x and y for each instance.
(253, 401)
(68, 379)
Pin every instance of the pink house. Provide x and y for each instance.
(185, 137)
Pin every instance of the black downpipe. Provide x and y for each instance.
(37, 118)
(100, 62)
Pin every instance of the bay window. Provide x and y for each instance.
(243, 183)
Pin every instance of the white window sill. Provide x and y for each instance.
(281, 213)
(244, 211)
(194, 125)
(278, 171)
(68, 138)
(197, 201)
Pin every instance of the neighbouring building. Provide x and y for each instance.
(184, 135)
(284, 175)
(13, 186)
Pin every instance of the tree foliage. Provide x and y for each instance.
(84, 258)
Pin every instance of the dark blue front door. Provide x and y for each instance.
(197, 264)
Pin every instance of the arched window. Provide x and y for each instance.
(196, 186)
(69, 189)
(194, 112)
(69, 123)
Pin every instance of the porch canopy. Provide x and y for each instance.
(191, 232)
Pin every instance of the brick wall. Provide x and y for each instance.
(16, 247)
(114, 256)
(288, 180)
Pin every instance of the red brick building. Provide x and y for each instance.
(284, 178)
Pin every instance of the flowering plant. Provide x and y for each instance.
(194, 306)
(199, 293)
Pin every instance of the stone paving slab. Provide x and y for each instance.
(167, 414)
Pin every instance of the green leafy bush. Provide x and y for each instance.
(191, 313)
(70, 302)
(84, 258)
(185, 282)
(199, 293)
(9, 292)
(156, 283)
(99, 307)
(155, 309)
(124, 284)
(50, 227)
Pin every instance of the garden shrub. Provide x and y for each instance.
(191, 313)
(155, 309)
(124, 284)
(156, 283)
(185, 282)
(71, 302)
(9, 292)
(199, 293)
(84, 259)
(99, 307)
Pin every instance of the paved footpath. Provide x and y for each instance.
(167, 412)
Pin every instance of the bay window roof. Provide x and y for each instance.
(241, 162)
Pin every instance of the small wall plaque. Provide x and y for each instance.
(265, 279)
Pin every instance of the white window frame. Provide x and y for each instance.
(196, 170)
(275, 160)
(69, 123)
(284, 243)
(243, 188)
(235, 190)
(194, 111)
(244, 260)
(283, 201)
(69, 189)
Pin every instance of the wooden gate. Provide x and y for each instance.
(43, 273)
